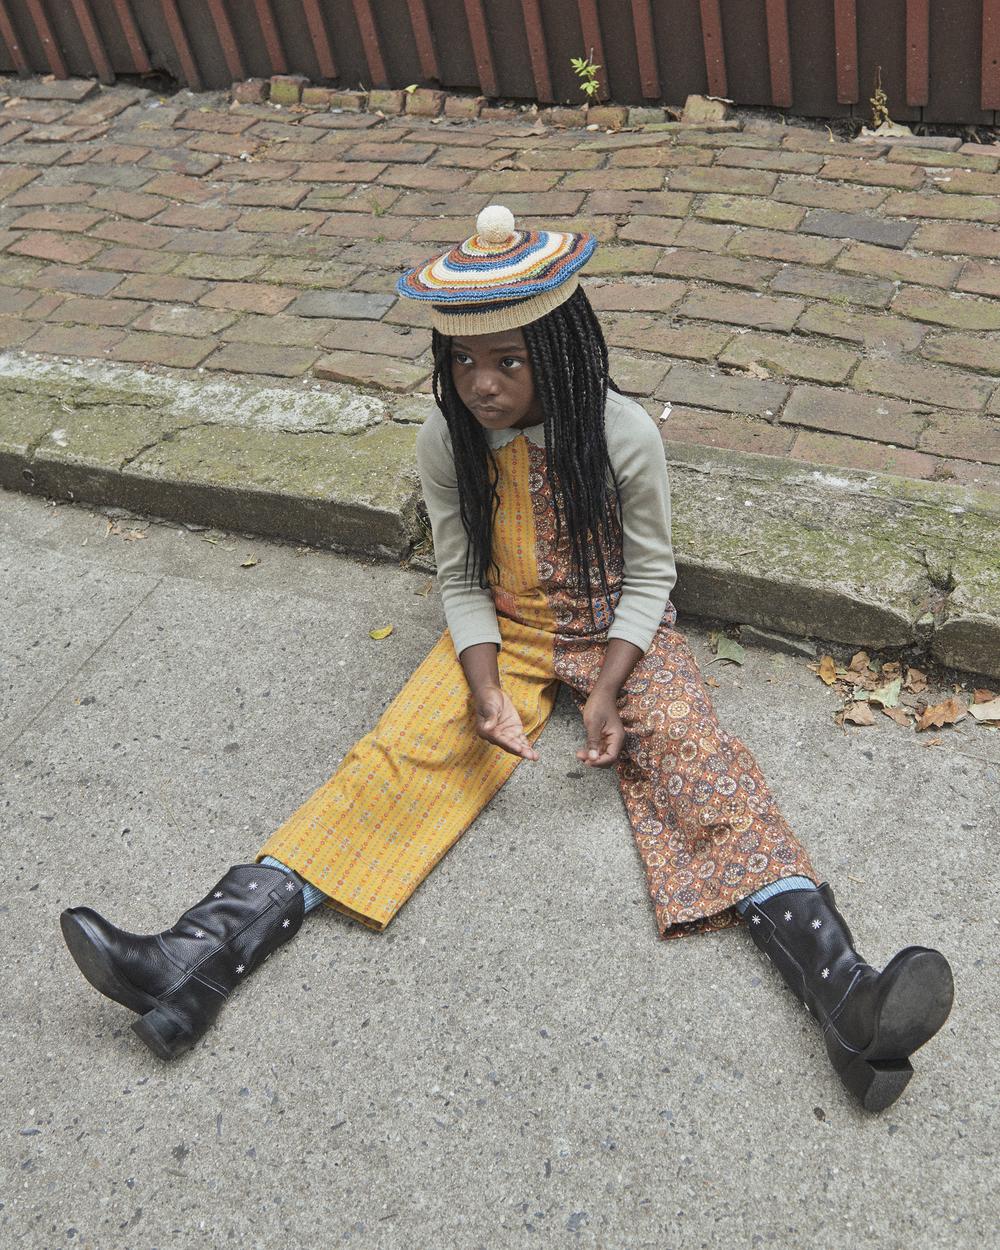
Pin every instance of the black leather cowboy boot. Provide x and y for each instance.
(179, 980)
(872, 1021)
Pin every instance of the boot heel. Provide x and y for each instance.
(875, 1083)
(164, 1033)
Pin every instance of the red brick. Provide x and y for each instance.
(635, 296)
(181, 187)
(880, 332)
(98, 312)
(266, 196)
(199, 216)
(277, 330)
(658, 230)
(854, 453)
(134, 234)
(182, 319)
(797, 358)
(634, 375)
(719, 429)
(967, 350)
(558, 158)
(780, 245)
(280, 361)
(739, 308)
(712, 267)
(841, 288)
(401, 151)
(338, 171)
(931, 384)
(372, 370)
(812, 193)
(135, 204)
(374, 337)
(477, 158)
(629, 258)
(980, 278)
(424, 102)
(559, 116)
(14, 330)
(705, 236)
(897, 266)
(70, 220)
(962, 435)
(436, 178)
(216, 122)
(608, 180)
(38, 194)
(249, 297)
(119, 154)
(280, 221)
(389, 102)
(250, 90)
(463, 106)
(162, 349)
(650, 333)
(747, 211)
(737, 181)
(906, 155)
(659, 157)
(88, 341)
(968, 473)
(964, 312)
(660, 203)
(872, 174)
(956, 238)
(851, 413)
(981, 208)
(961, 182)
(54, 247)
(730, 392)
(785, 162)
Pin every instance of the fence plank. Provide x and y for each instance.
(590, 24)
(423, 38)
(779, 53)
(52, 53)
(483, 53)
(715, 50)
(645, 48)
(917, 51)
(320, 39)
(227, 40)
(991, 55)
(11, 41)
(140, 58)
(845, 35)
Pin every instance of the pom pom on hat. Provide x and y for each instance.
(495, 224)
(501, 277)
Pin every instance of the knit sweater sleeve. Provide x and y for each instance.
(468, 608)
(635, 449)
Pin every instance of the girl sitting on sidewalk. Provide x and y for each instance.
(548, 499)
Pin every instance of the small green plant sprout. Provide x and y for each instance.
(586, 71)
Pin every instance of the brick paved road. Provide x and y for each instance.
(787, 294)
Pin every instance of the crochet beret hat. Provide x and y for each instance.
(499, 278)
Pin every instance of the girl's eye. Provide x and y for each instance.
(459, 357)
(513, 360)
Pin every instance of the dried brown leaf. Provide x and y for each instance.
(892, 670)
(827, 670)
(859, 661)
(983, 696)
(915, 680)
(859, 714)
(941, 714)
(899, 715)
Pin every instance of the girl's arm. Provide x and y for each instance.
(497, 719)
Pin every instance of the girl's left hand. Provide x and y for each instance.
(605, 731)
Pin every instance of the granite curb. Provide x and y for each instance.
(844, 555)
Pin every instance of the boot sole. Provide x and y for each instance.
(96, 964)
(915, 1005)
(164, 1033)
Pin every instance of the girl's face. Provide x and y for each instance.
(492, 374)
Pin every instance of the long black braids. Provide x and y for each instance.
(569, 359)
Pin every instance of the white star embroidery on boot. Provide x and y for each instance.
(285, 924)
(199, 933)
(825, 973)
(817, 924)
(252, 885)
(217, 894)
(290, 885)
(239, 967)
(788, 915)
(755, 920)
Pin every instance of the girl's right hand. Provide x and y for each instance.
(498, 722)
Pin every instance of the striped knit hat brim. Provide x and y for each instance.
(500, 278)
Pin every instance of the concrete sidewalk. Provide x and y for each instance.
(197, 312)
(517, 1061)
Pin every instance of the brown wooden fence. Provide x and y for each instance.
(938, 60)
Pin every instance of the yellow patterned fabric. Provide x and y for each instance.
(407, 791)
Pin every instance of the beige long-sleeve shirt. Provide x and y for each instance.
(635, 450)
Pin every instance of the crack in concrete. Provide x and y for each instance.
(165, 437)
